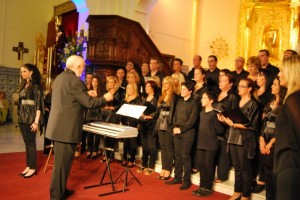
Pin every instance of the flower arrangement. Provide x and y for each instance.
(75, 46)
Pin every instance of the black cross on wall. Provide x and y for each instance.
(20, 50)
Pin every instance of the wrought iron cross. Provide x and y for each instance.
(20, 50)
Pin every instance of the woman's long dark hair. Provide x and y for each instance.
(35, 77)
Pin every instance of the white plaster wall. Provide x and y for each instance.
(19, 22)
(217, 18)
(170, 27)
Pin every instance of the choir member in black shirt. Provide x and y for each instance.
(267, 138)
(226, 100)
(287, 146)
(241, 140)
(212, 74)
(164, 114)
(149, 139)
(108, 112)
(207, 144)
(185, 116)
(130, 144)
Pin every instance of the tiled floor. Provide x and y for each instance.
(11, 139)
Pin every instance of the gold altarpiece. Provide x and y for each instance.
(268, 24)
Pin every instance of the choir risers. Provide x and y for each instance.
(111, 130)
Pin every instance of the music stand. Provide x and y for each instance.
(126, 171)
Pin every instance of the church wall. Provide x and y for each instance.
(20, 21)
(170, 28)
(217, 19)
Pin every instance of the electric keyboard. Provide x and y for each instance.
(111, 130)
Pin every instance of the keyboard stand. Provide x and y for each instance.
(107, 168)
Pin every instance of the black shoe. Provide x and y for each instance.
(185, 185)
(165, 178)
(258, 188)
(68, 193)
(203, 192)
(194, 192)
(173, 182)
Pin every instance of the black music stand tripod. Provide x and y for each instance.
(107, 168)
(126, 171)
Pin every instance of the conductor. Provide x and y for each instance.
(69, 98)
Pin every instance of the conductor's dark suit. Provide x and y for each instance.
(69, 98)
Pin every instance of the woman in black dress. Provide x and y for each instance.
(241, 140)
(149, 139)
(130, 144)
(226, 100)
(267, 138)
(108, 113)
(287, 146)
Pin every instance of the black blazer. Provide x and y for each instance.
(69, 99)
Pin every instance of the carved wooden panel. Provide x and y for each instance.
(113, 40)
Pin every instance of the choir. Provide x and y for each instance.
(185, 119)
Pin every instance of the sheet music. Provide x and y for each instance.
(134, 111)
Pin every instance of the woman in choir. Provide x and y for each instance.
(134, 77)
(200, 88)
(93, 140)
(30, 111)
(287, 145)
(267, 138)
(130, 144)
(149, 140)
(166, 106)
(242, 139)
(254, 65)
(185, 116)
(263, 95)
(108, 113)
(207, 144)
(226, 100)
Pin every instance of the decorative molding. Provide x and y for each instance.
(219, 47)
(64, 8)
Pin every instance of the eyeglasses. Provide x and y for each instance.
(242, 86)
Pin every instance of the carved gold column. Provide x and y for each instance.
(294, 24)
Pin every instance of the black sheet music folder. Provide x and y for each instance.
(236, 115)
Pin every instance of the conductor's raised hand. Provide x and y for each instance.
(108, 96)
(92, 93)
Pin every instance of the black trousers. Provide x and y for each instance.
(223, 161)
(129, 147)
(166, 142)
(287, 184)
(182, 147)
(149, 145)
(30, 144)
(93, 142)
(64, 153)
(242, 168)
(205, 160)
(83, 141)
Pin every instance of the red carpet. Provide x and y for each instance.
(14, 187)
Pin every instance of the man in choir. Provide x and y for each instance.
(264, 56)
(288, 53)
(197, 64)
(121, 78)
(69, 98)
(177, 64)
(212, 74)
(239, 71)
(154, 69)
